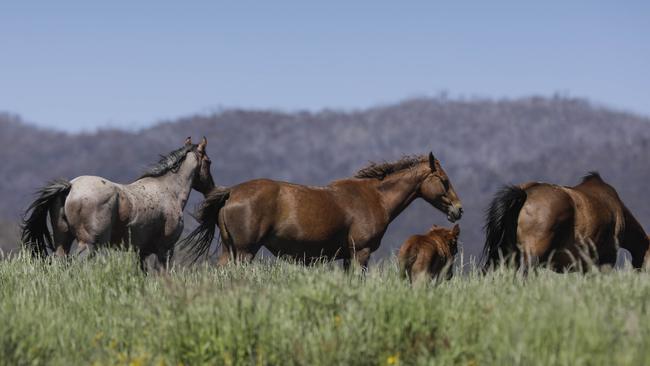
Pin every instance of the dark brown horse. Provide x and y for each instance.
(430, 255)
(566, 227)
(343, 220)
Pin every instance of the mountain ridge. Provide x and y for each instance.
(481, 143)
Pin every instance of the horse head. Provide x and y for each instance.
(436, 188)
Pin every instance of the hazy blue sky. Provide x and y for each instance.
(76, 66)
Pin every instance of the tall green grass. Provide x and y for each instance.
(105, 311)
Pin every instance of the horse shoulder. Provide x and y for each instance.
(359, 194)
(599, 204)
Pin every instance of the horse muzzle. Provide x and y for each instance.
(454, 213)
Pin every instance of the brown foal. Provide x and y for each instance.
(431, 255)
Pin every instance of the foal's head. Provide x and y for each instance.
(447, 239)
(438, 191)
(446, 249)
(203, 178)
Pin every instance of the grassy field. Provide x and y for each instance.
(104, 311)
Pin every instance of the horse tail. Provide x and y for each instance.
(198, 241)
(501, 225)
(35, 234)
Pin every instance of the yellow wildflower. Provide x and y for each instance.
(337, 320)
(393, 360)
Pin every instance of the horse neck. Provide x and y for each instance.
(179, 183)
(635, 239)
(398, 190)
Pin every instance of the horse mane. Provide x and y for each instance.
(382, 170)
(170, 162)
(592, 175)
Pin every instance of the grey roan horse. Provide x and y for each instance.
(147, 214)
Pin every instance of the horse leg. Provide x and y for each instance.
(92, 220)
(247, 255)
(63, 242)
(607, 251)
(88, 239)
(87, 244)
(362, 258)
(224, 257)
(164, 259)
(346, 264)
(231, 253)
(61, 231)
(227, 252)
(535, 243)
(85, 249)
(142, 261)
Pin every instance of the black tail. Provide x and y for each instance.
(501, 225)
(198, 241)
(35, 234)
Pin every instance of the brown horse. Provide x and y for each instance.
(566, 227)
(430, 255)
(343, 220)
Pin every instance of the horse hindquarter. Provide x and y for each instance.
(546, 227)
(91, 211)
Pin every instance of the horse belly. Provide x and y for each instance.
(307, 241)
(305, 250)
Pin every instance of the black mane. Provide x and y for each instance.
(592, 175)
(380, 171)
(170, 162)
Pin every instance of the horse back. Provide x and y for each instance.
(282, 212)
(91, 190)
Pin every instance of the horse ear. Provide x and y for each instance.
(202, 145)
(432, 162)
(188, 140)
(455, 230)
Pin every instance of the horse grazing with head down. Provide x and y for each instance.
(566, 227)
(430, 255)
(343, 220)
(147, 214)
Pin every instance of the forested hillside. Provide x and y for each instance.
(482, 144)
